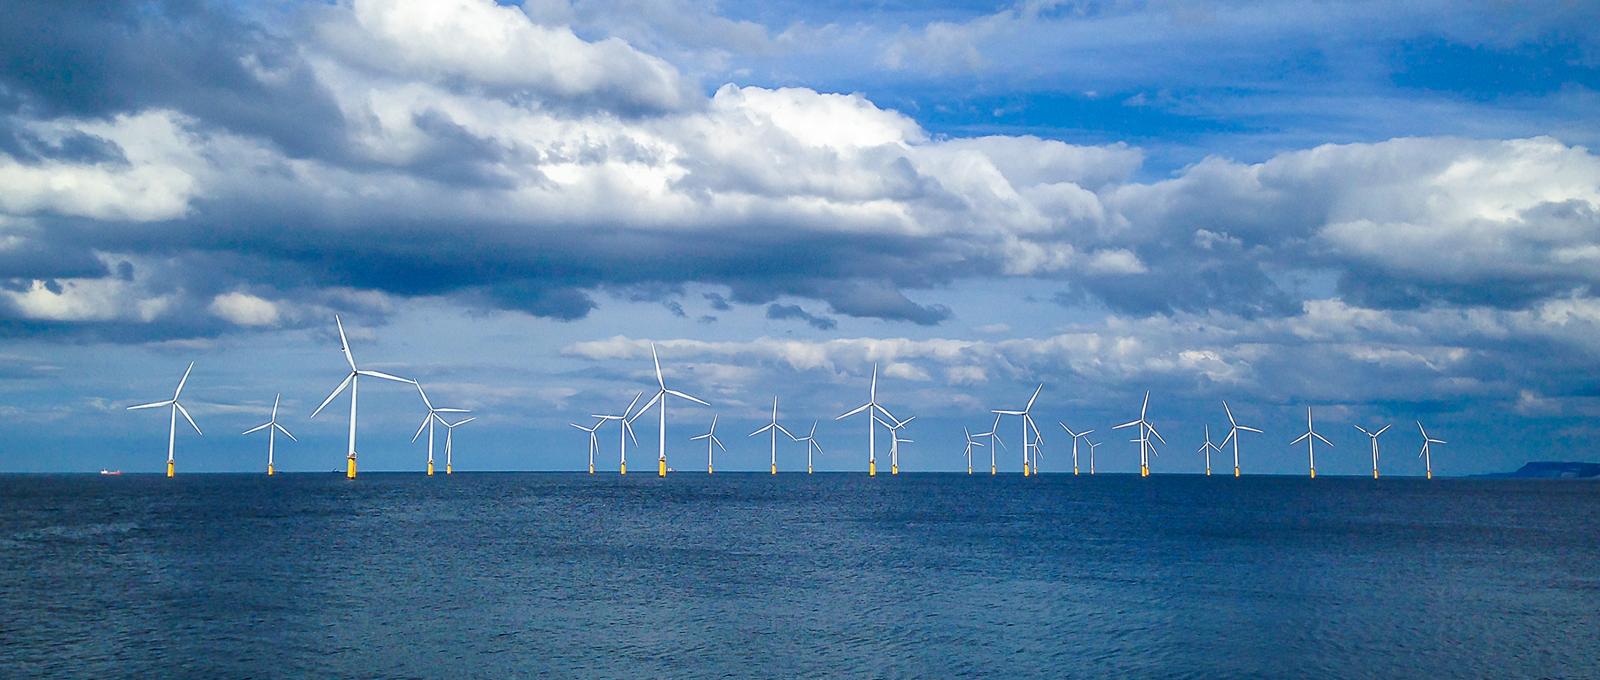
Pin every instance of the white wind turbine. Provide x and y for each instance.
(994, 441)
(449, 429)
(627, 432)
(1311, 445)
(811, 444)
(271, 435)
(1426, 455)
(172, 428)
(711, 439)
(594, 442)
(1234, 435)
(1092, 447)
(662, 397)
(970, 444)
(872, 408)
(894, 446)
(774, 428)
(1075, 437)
(427, 422)
(1027, 422)
(1374, 437)
(350, 381)
(1145, 430)
(1207, 448)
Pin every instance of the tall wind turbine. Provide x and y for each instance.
(1207, 448)
(350, 381)
(1311, 446)
(1075, 437)
(970, 444)
(894, 446)
(1145, 430)
(1234, 435)
(1426, 455)
(449, 429)
(774, 428)
(811, 444)
(1374, 437)
(662, 397)
(711, 439)
(594, 442)
(627, 431)
(172, 428)
(427, 422)
(1092, 447)
(272, 425)
(1027, 422)
(872, 408)
(994, 441)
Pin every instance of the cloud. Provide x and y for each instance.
(777, 311)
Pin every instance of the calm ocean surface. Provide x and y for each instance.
(796, 576)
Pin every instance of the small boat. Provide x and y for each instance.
(110, 472)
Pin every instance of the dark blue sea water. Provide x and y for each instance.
(796, 576)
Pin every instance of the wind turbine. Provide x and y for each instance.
(627, 431)
(894, 446)
(970, 444)
(774, 428)
(1092, 447)
(1425, 455)
(1145, 430)
(1234, 435)
(1374, 436)
(994, 441)
(1207, 447)
(427, 422)
(1027, 421)
(811, 443)
(350, 381)
(662, 397)
(449, 429)
(271, 435)
(172, 428)
(594, 442)
(872, 408)
(711, 438)
(1075, 437)
(1309, 436)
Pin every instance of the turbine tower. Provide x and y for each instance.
(1374, 437)
(894, 445)
(272, 429)
(1311, 445)
(594, 442)
(1075, 437)
(662, 397)
(994, 441)
(774, 428)
(449, 429)
(350, 381)
(1207, 448)
(1234, 435)
(872, 408)
(811, 444)
(1027, 422)
(1145, 430)
(627, 432)
(970, 444)
(711, 439)
(1092, 447)
(427, 422)
(172, 427)
(1426, 455)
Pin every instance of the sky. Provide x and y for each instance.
(1382, 212)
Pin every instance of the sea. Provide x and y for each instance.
(528, 575)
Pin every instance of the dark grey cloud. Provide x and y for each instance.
(821, 323)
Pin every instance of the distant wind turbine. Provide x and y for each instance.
(1311, 446)
(1092, 447)
(1426, 455)
(994, 441)
(1145, 430)
(970, 444)
(774, 428)
(594, 442)
(1075, 437)
(172, 428)
(894, 446)
(1374, 437)
(350, 381)
(1027, 422)
(811, 444)
(711, 439)
(449, 429)
(1234, 435)
(272, 425)
(1207, 448)
(872, 408)
(625, 435)
(662, 397)
(427, 422)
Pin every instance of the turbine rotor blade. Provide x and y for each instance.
(425, 420)
(1385, 427)
(676, 393)
(1250, 429)
(336, 392)
(1302, 438)
(657, 359)
(425, 401)
(185, 413)
(344, 344)
(847, 415)
(285, 432)
(386, 376)
(1036, 392)
(159, 403)
(1324, 439)
(1136, 422)
(258, 427)
(185, 379)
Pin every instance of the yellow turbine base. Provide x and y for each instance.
(872, 468)
(591, 468)
(1430, 474)
(894, 468)
(1374, 474)
(774, 468)
(1236, 471)
(662, 472)
(710, 471)
(269, 469)
(1144, 470)
(1024, 469)
(1208, 472)
(808, 469)
(1313, 473)
(1074, 469)
(430, 468)
(447, 468)
(624, 468)
(350, 470)
(992, 470)
(171, 470)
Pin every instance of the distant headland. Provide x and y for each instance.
(1552, 470)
